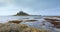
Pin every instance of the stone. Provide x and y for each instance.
(30, 20)
(34, 30)
(11, 27)
(1, 25)
(15, 21)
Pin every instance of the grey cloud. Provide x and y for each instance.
(38, 4)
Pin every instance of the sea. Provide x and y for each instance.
(4, 19)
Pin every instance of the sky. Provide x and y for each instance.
(33, 7)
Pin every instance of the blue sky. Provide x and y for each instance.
(34, 7)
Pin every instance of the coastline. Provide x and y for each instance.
(34, 23)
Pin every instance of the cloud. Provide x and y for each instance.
(43, 7)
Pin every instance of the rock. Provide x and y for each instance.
(15, 21)
(55, 22)
(57, 26)
(1, 25)
(34, 30)
(30, 20)
(11, 27)
(31, 30)
(23, 25)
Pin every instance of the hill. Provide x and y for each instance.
(21, 13)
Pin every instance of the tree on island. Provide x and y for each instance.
(21, 13)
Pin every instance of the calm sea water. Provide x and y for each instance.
(7, 18)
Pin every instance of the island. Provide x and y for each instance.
(21, 13)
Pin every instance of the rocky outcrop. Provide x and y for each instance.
(19, 21)
(1, 25)
(15, 21)
(13, 27)
(35, 30)
(30, 20)
(55, 22)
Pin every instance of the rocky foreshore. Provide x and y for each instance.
(55, 22)
(29, 26)
(13, 27)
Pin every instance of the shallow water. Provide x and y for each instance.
(4, 19)
(37, 24)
